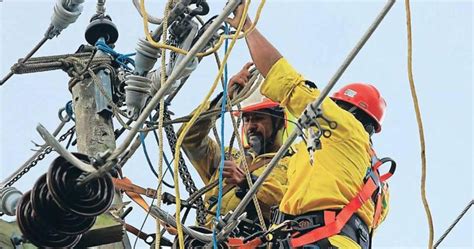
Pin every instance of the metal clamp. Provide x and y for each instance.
(309, 120)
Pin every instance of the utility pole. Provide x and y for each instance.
(95, 134)
(93, 116)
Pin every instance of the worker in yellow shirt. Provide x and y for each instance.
(339, 199)
(263, 126)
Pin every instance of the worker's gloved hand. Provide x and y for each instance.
(238, 12)
(239, 80)
(232, 173)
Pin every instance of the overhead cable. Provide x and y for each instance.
(454, 224)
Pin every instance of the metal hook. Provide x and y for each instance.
(64, 118)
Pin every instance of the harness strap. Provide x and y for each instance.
(239, 243)
(381, 181)
(335, 227)
(372, 189)
(134, 192)
(378, 211)
(334, 223)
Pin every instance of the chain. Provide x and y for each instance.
(45, 151)
(183, 171)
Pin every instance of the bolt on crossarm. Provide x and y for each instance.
(313, 106)
(203, 40)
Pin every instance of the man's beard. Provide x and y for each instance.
(258, 144)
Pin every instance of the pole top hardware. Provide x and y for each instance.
(101, 26)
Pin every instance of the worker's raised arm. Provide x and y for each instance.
(264, 55)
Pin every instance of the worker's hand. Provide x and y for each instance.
(240, 79)
(238, 12)
(232, 173)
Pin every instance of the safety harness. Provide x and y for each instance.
(332, 222)
(134, 192)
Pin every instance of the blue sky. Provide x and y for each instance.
(315, 36)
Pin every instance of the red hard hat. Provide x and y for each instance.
(366, 97)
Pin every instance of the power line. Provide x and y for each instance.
(454, 224)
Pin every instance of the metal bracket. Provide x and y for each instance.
(309, 120)
(101, 102)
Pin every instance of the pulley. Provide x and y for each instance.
(101, 26)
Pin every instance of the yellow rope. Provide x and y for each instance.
(246, 168)
(160, 119)
(194, 118)
(248, 177)
(206, 53)
(420, 126)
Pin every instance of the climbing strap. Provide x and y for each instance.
(374, 185)
(134, 192)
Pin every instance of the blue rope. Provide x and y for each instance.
(221, 166)
(121, 59)
(70, 110)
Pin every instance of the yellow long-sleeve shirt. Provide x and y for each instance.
(337, 173)
(205, 156)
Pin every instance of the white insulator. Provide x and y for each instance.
(65, 13)
(146, 56)
(155, 77)
(190, 67)
(137, 91)
(9, 198)
(100, 9)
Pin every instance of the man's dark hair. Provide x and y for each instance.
(367, 121)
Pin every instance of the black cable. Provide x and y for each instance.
(147, 214)
(454, 224)
(150, 164)
(185, 216)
